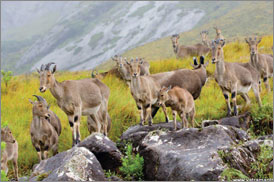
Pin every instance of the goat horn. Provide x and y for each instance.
(48, 65)
(39, 98)
(42, 67)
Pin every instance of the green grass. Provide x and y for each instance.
(17, 111)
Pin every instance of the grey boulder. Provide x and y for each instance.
(104, 149)
(76, 164)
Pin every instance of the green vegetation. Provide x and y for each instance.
(17, 110)
(7, 75)
(260, 168)
(132, 166)
(230, 173)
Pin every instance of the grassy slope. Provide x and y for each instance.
(242, 19)
(17, 110)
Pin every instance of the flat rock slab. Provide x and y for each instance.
(76, 164)
(104, 149)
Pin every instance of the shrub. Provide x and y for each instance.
(231, 173)
(7, 75)
(132, 166)
(262, 120)
(260, 168)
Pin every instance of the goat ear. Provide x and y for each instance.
(246, 40)
(195, 61)
(202, 60)
(48, 106)
(260, 39)
(30, 101)
(37, 70)
(54, 69)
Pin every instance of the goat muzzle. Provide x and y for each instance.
(42, 89)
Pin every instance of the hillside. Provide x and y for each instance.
(17, 111)
(225, 16)
(88, 33)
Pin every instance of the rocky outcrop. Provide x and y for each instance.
(104, 149)
(241, 157)
(76, 164)
(186, 154)
(135, 134)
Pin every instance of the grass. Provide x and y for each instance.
(17, 111)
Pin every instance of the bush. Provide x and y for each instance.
(260, 168)
(7, 75)
(132, 166)
(231, 173)
(262, 120)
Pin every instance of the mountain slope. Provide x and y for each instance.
(92, 32)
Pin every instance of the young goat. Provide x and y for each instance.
(232, 77)
(44, 136)
(263, 63)
(180, 101)
(144, 90)
(183, 51)
(77, 98)
(10, 152)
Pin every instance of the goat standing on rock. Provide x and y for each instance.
(43, 134)
(77, 98)
(180, 101)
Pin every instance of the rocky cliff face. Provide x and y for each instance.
(88, 33)
(112, 30)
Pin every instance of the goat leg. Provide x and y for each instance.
(166, 116)
(174, 120)
(154, 111)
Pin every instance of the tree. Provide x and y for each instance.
(6, 75)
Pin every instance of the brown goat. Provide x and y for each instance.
(10, 152)
(232, 78)
(44, 136)
(77, 98)
(180, 101)
(263, 63)
(144, 90)
(124, 69)
(205, 41)
(183, 51)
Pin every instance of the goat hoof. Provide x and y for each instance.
(167, 120)
(150, 124)
(141, 124)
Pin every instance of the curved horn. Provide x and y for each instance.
(48, 65)
(42, 67)
(39, 98)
